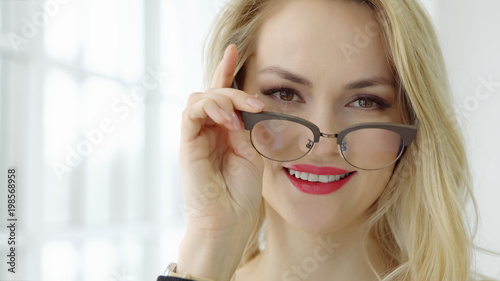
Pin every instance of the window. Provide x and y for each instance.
(92, 95)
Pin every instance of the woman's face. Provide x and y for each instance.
(323, 61)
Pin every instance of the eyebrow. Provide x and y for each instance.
(370, 82)
(287, 75)
(296, 78)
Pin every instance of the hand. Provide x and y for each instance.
(222, 176)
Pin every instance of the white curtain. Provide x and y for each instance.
(91, 99)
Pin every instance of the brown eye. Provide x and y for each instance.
(369, 103)
(366, 103)
(283, 94)
(286, 96)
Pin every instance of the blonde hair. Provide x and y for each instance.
(419, 221)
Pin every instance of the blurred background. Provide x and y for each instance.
(90, 106)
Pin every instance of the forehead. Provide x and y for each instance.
(321, 39)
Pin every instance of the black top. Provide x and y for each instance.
(170, 278)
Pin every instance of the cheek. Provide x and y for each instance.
(271, 184)
(369, 186)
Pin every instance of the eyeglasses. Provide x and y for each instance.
(367, 146)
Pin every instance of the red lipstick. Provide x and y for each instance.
(318, 188)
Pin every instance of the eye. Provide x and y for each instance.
(286, 96)
(283, 94)
(369, 102)
(365, 103)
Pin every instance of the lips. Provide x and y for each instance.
(317, 180)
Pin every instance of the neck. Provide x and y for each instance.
(292, 254)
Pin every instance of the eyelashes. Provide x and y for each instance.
(283, 94)
(364, 102)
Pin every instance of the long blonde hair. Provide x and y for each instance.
(419, 221)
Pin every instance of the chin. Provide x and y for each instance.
(315, 219)
(343, 211)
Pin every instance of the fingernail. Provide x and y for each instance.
(228, 118)
(255, 103)
(227, 49)
(236, 121)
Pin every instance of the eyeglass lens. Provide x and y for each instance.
(371, 148)
(281, 140)
(284, 140)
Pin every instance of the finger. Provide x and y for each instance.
(224, 74)
(229, 99)
(215, 106)
(205, 112)
(242, 147)
(213, 111)
(223, 101)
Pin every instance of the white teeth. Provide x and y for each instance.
(323, 178)
(313, 177)
(316, 178)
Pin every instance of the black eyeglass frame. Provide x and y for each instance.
(408, 133)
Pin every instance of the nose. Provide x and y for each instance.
(327, 145)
